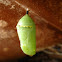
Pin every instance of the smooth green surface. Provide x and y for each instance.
(27, 35)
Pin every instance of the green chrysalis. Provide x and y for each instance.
(27, 35)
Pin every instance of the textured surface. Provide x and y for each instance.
(45, 16)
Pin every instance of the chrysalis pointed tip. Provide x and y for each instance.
(27, 11)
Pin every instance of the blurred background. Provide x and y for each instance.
(47, 15)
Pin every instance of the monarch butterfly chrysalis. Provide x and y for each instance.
(27, 35)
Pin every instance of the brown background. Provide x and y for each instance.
(47, 15)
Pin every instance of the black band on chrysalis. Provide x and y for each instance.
(27, 12)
